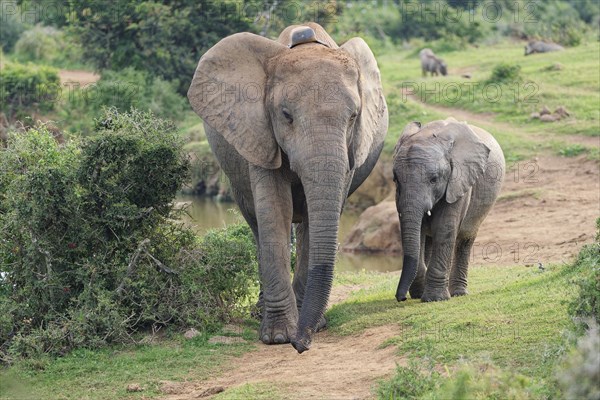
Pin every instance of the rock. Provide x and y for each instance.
(562, 112)
(549, 118)
(169, 387)
(134, 387)
(534, 115)
(191, 333)
(545, 110)
(374, 189)
(377, 230)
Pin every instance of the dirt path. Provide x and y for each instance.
(335, 368)
(547, 210)
(83, 78)
(487, 120)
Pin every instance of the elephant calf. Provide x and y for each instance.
(541, 47)
(431, 63)
(448, 175)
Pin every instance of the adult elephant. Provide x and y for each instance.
(297, 125)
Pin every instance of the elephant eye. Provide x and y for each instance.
(288, 116)
(433, 179)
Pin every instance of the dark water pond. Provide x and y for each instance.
(204, 214)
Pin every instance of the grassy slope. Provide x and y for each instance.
(105, 374)
(513, 316)
(575, 86)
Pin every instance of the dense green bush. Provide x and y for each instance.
(122, 90)
(165, 39)
(11, 27)
(579, 372)
(48, 45)
(409, 382)
(90, 252)
(27, 88)
(586, 305)
(505, 73)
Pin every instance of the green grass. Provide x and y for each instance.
(105, 374)
(514, 316)
(255, 391)
(574, 84)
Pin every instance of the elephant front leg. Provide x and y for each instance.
(273, 205)
(418, 285)
(436, 278)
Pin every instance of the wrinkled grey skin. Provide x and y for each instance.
(431, 63)
(296, 129)
(454, 172)
(541, 47)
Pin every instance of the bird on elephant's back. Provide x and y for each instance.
(297, 125)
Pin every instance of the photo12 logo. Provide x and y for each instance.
(473, 10)
(453, 92)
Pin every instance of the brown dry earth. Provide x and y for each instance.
(548, 205)
(335, 368)
(547, 211)
(83, 78)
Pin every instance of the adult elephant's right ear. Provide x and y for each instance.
(228, 91)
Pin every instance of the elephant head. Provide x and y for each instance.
(443, 68)
(434, 165)
(305, 104)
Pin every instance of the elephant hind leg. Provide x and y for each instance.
(460, 267)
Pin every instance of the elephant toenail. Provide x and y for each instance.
(266, 339)
(279, 338)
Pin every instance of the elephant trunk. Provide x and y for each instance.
(325, 184)
(410, 226)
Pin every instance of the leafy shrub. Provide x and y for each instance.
(505, 72)
(122, 90)
(90, 253)
(486, 382)
(47, 45)
(586, 305)
(11, 27)
(27, 88)
(557, 21)
(409, 383)
(578, 376)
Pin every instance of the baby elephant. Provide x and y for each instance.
(448, 175)
(431, 63)
(541, 47)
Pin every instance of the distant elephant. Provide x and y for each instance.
(431, 63)
(541, 47)
(297, 125)
(448, 175)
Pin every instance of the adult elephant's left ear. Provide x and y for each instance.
(228, 91)
(372, 122)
